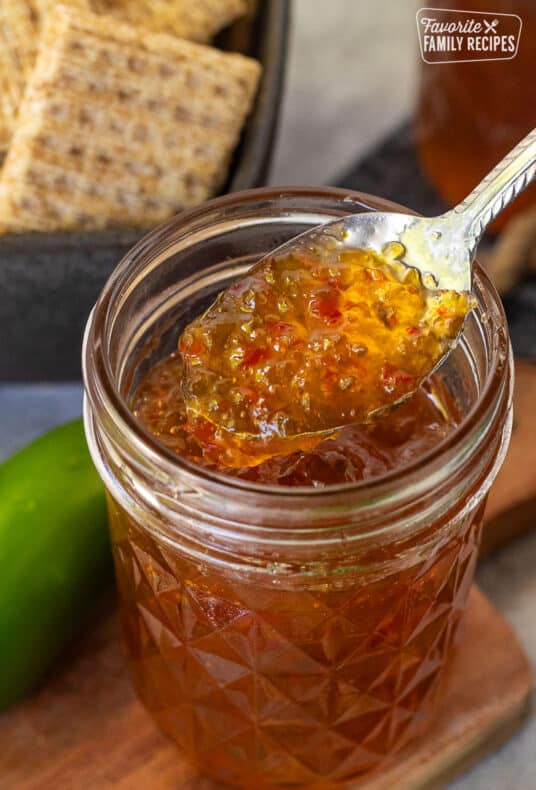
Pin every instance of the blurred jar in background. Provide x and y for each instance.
(469, 115)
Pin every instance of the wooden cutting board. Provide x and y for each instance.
(85, 728)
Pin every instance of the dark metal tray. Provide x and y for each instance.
(49, 282)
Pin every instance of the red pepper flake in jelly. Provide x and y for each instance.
(317, 345)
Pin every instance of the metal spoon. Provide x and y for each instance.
(441, 248)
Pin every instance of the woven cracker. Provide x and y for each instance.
(18, 42)
(119, 127)
(20, 22)
(19, 36)
(42, 7)
(196, 20)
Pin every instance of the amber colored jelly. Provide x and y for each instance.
(306, 342)
(293, 680)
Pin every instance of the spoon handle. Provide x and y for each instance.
(501, 185)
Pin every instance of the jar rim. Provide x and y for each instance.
(117, 408)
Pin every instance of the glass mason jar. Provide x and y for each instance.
(283, 636)
(470, 114)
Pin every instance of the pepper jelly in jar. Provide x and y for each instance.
(288, 622)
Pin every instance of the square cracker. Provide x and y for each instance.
(18, 43)
(20, 23)
(196, 20)
(119, 127)
(19, 36)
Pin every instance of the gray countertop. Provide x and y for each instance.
(361, 55)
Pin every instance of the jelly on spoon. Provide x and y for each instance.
(338, 324)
